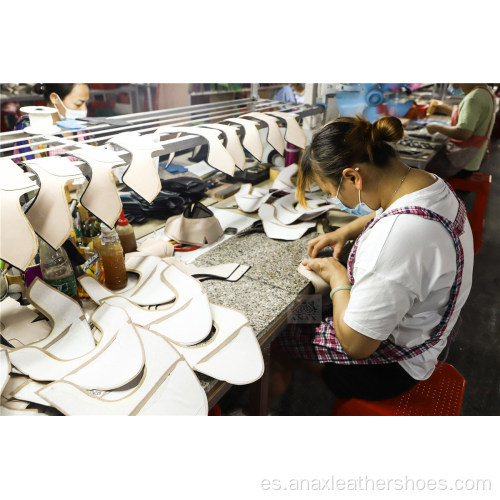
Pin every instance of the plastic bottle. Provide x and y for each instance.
(56, 269)
(92, 267)
(113, 261)
(126, 234)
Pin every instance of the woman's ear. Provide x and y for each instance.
(351, 175)
(53, 99)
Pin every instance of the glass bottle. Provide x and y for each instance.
(56, 269)
(113, 261)
(126, 234)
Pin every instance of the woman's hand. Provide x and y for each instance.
(336, 240)
(432, 128)
(439, 107)
(330, 269)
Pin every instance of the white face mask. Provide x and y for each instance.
(72, 114)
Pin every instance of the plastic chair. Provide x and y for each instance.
(480, 184)
(441, 394)
(215, 411)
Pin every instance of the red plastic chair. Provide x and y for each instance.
(215, 411)
(441, 394)
(480, 184)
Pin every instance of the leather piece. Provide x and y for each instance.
(231, 272)
(27, 392)
(274, 137)
(5, 411)
(284, 180)
(4, 369)
(114, 323)
(156, 248)
(218, 156)
(154, 291)
(319, 284)
(164, 398)
(14, 382)
(125, 355)
(19, 327)
(232, 353)
(101, 196)
(289, 211)
(64, 313)
(294, 133)
(66, 317)
(194, 231)
(276, 230)
(49, 215)
(251, 138)
(186, 322)
(149, 290)
(19, 244)
(249, 198)
(141, 175)
(233, 145)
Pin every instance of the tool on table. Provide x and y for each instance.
(179, 247)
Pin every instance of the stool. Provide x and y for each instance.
(478, 183)
(441, 394)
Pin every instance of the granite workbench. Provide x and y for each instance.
(268, 290)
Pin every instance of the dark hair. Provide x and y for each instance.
(344, 142)
(61, 89)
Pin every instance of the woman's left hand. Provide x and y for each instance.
(330, 269)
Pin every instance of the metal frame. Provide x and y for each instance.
(148, 122)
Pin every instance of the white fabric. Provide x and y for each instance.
(155, 394)
(101, 194)
(404, 268)
(274, 137)
(218, 156)
(4, 369)
(289, 211)
(141, 175)
(66, 316)
(9, 412)
(277, 230)
(250, 198)
(19, 243)
(232, 353)
(18, 325)
(233, 146)
(49, 214)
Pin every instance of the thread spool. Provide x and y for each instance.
(292, 154)
(41, 121)
(274, 172)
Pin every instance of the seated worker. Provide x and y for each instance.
(471, 126)
(70, 100)
(408, 276)
(293, 92)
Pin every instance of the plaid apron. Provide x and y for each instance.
(324, 347)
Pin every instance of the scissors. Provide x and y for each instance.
(179, 247)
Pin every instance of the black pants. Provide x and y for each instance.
(374, 382)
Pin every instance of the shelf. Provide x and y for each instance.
(233, 91)
(218, 92)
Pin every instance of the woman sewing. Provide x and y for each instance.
(408, 276)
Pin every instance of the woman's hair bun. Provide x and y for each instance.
(38, 88)
(388, 129)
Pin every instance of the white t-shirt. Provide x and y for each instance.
(404, 269)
